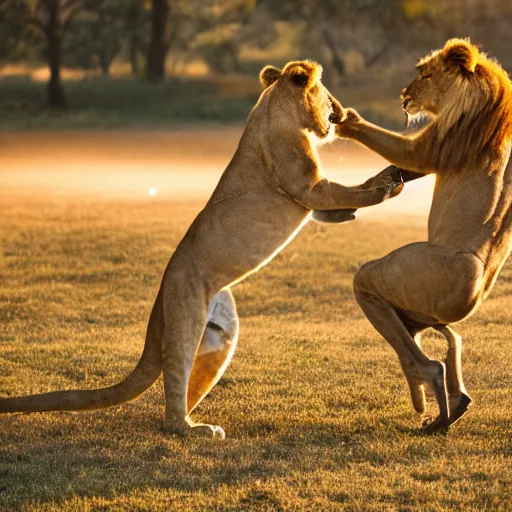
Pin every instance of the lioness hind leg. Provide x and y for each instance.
(216, 348)
(185, 306)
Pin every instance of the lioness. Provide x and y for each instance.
(262, 200)
(467, 99)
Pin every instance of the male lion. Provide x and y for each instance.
(468, 99)
(263, 199)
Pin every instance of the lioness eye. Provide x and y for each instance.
(425, 76)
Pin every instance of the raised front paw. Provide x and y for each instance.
(347, 124)
(393, 190)
(388, 182)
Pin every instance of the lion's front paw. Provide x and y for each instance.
(352, 116)
(346, 126)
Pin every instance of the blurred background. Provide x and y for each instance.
(117, 118)
(115, 63)
(118, 97)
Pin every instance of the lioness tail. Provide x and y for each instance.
(146, 372)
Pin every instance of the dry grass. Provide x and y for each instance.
(314, 404)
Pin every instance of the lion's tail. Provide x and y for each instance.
(146, 372)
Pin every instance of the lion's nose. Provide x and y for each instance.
(405, 101)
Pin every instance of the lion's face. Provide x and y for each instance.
(425, 96)
(461, 102)
(301, 94)
(440, 76)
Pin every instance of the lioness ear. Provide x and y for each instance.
(299, 76)
(268, 75)
(303, 73)
(462, 54)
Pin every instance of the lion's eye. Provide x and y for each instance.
(423, 77)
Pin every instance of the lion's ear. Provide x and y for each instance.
(268, 75)
(461, 53)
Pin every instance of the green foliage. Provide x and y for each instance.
(14, 29)
(355, 40)
(103, 104)
(414, 8)
(212, 30)
(136, 34)
(95, 35)
(222, 58)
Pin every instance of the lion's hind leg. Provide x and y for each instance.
(458, 396)
(418, 286)
(384, 288)
(417, 386)
(419, 370)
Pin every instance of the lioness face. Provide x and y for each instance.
(319, 103)
(309, 102)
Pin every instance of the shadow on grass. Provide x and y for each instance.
(54, 456)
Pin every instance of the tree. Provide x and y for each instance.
(159, 40)
(208, 27)
(96, 34)
(136, 29)
(53, 17)
(221, 29)
(332, 28)
(14, 18)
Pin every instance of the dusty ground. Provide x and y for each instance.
(179, 164)
(314, 404)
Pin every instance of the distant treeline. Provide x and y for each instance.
(158, 37)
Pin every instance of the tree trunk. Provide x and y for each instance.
(104, 63)
(134, 59)
(56, 96)
(159, 44)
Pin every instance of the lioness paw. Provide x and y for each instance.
(394, 190)
(205, 430)
(202, 430)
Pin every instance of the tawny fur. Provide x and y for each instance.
(467, 144)
(262, 200)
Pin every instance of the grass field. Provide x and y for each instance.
(314, 404)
